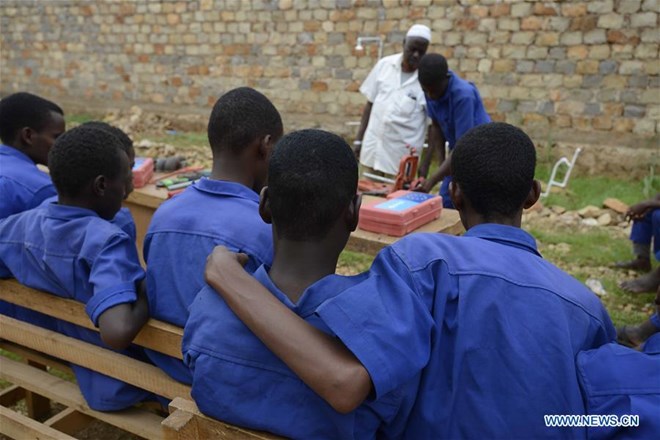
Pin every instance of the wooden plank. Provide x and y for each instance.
(11, 395)
(156, 335)
(207, 427)
(32, 355)
(149, 196)
(135, 420)
(112, 364)
(69, 421)
(371, 242)
(37, 406)
(15, 425)
(180, 425)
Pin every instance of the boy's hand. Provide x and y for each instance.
(221, 263)
(637, 211)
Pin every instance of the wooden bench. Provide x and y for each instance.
(41, 350)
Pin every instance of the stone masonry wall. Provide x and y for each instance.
(577, 65)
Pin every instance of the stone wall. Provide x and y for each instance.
(574, 65)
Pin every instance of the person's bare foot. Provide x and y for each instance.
(643, 284)
(639, 264)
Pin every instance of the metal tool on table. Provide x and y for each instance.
(179, 180)
(405, 178)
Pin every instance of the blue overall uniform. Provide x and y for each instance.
(23, 186)
(647, 229)
(619, 381)
(459, 110)
(182, 233)
(72, 253)
(492, 326)
(239, 380)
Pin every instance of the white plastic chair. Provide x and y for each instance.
(570, 164)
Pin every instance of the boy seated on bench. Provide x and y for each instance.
(29, 125)
(312, 204)
(123, 219)
(221, 209)
(71, 250)
(490, 327)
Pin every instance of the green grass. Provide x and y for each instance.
(593, 190)
(79, 118)
(182, 139)
(590, 255)
(352, 263)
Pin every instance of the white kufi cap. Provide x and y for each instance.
(420, 31)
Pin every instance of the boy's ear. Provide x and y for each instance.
(353, 212)
(534, 194)
(264, 206)
(265, 147)
(99, 185)
(456, 195)
(25, 135)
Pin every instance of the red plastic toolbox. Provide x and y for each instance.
(143, 171)
(401, 213)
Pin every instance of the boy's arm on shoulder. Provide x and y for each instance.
(321, 361)
(119, 302)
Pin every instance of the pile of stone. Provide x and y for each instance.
(611, 214)
(136, 121)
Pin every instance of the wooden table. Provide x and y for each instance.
(143, 202)
(371, 242)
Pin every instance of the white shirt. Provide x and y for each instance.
(398, 116)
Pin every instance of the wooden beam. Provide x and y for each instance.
(135, 420)
(180, 425)
(207, 427)
(69, 421)
(38, 407)
(11, 395)
(104, 361)
(15, 425)
(155, 335)
(32, 355)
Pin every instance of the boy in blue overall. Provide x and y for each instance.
(454, 106)
(28, 127)
(223, 209)
(646, 229)
(618, 381)
(70, 249)
(312, 204)
(486, 325)
(123, 219)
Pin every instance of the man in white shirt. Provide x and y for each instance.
(395, 115)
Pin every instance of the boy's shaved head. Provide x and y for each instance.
(239, 117)
(494, 166)
(127, 142)
(80, 155)
(24, 110)
(433, 69)
(312, 178)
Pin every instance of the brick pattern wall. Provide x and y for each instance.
(586, 65)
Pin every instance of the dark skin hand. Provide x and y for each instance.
(638, 211)
(321, 361)
(436, 142)
(120, 324)
(366, 114)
